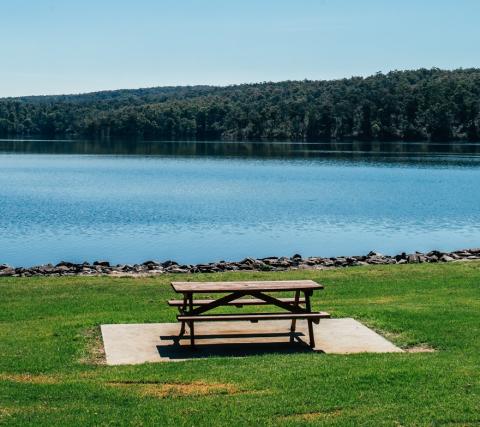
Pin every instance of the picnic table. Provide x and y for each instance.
(249, 293)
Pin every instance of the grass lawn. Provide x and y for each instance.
(52, 374)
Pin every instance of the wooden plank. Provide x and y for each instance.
(262, 286)
(224, 300)
(253, 317)
(276, 302)
(241, 301)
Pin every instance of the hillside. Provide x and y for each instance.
(423, 104)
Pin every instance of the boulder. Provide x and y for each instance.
(102, 263)
(151, 264)
(327, 262)
(65, 264)
(376, 259)
(462, 254)
(7, 271)
(413, 258)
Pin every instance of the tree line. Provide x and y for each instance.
(435, 105)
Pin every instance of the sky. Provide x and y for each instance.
(76, 46)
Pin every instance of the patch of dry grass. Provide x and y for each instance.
(94, 351)
(312, 416)
(8, 412)
(29, 378)
(420, 348)
(163, 390)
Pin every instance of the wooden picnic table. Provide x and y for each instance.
(192, 310)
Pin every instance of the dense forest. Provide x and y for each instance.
(434, 105)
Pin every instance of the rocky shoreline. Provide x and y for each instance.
(296, 262)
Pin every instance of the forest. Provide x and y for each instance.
(418, 105)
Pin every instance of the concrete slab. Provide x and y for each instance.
(158, 342)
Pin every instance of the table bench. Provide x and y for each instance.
(192, 310)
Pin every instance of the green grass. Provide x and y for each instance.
(49, 375)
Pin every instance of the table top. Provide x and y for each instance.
(259, 286)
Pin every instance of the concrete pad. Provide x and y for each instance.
(158, 342)
(346, 336)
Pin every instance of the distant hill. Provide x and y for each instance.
(422, 104)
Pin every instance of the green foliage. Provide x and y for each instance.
(49, 373)
(423, 104)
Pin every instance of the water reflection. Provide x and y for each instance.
(389, 151)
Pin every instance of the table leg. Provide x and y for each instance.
(190, 309)
(294, 321)
(310, 323)
(183, 309)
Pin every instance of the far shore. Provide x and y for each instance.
(296, 262)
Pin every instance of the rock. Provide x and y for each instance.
(151, 264)
(45, 269)
(413, 258)
(462, 254)
(102, 263)
(169, 263)
(65, 264)
(65, 268)
(281, 263)
(376, 259)
(7, 271)
(270, 259)
(204, 268)
(246, 266)
(352, 261)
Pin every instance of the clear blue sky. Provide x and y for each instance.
(71, 46)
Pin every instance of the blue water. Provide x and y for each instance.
(202, 208)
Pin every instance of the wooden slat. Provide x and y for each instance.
(261, 286)
(254, 317)
(241, 301)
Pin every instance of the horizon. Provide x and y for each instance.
(67, 48)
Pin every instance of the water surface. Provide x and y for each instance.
(200, 202)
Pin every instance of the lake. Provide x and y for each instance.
(196, 202)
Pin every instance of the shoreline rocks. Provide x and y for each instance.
(296, 262)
